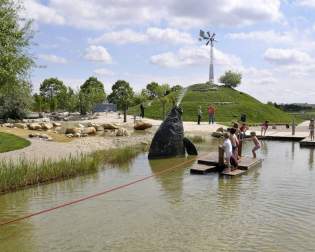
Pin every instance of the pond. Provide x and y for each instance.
(271, 208)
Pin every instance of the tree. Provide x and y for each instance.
(73, 101)
(122, 95)
(91, 92)
(231, 79)
(15, 62)
(152, 89)
(176, 88)
(54, 92)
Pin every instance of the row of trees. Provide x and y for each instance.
(54, 95)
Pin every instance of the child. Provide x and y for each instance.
(264, 127)
(256, 143)
(311, 128)
(227, 146)
(243, 130)
(234, 142)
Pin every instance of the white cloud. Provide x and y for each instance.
(169, 35)
(270, 37)
(195, 56)
(120, 37)
(95, 14)
(53, 58)
(97, 53)
(307, 3)
(286, 56)
(103, 72)
(152, 34)
(41, 13)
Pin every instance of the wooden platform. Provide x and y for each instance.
(202, 169)
(234, 173)
(307, 143)
(245, 163)
(282, 136)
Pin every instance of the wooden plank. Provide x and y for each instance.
(246, 163)
(202, 169)
(307, 143)
(233, 173)
(211, 159)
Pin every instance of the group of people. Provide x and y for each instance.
(232, 142)
(211, 114)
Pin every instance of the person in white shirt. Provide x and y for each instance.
(228, 151)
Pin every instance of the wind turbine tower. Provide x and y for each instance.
(210, 38)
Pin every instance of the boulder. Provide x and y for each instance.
(110, 126)
(56, 124)
(50, 139)
(169, 139)
(76, 135)
(217, 134)
(34, 126)
(220, 130)
(47, 126)
(73, 130)
(69, 135)
(122, 132)
(89, 130)
(98, 127)
(8, 125)
(20, 125)
(44, 136)
(142, 125)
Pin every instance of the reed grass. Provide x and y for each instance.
(18, 174)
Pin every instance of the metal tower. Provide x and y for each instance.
(210, 38)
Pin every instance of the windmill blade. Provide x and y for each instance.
(213, 35)
(209, 34)
(208, 42)
(202, 34)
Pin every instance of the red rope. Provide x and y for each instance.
(95, 195)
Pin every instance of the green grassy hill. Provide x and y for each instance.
(229, 103)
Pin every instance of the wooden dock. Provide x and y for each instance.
(244, 164)
(283, 136)
(236, 172)
(307, 143)
(202, 169)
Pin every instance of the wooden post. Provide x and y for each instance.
(221, 156)
(240, 146)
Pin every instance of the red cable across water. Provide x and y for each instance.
(96, 194)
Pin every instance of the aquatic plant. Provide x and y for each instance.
(18, 174)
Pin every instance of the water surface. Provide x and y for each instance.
(271, 208)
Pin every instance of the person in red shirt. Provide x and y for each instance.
(211, 114)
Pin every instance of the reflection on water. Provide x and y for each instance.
(271, 208)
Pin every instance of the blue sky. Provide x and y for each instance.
(271, 42)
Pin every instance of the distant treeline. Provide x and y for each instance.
(293, 107)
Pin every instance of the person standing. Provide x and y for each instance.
(211, 114)
(311, 128)
(141, 110)
(199, 114)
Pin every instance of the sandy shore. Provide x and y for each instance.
(40, 149)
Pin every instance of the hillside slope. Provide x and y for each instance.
(229, 104)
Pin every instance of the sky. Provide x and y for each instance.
(271, 42)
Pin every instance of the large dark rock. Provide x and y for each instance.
(169, 138)
(190, 147)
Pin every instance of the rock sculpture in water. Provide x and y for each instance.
(169, 139)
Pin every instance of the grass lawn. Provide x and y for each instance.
(229, 103)
(9, 142)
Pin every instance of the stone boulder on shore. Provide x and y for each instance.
(34, 126)
(142, 125)
(110, 126)
(89, 130)
(73, 130)
(122, 132)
